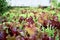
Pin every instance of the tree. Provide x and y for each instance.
(3, 6)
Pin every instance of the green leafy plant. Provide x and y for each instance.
(54, 3)
(58, 4)
(3, 6)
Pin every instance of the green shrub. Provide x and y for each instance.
(58, 4)
(3, 6)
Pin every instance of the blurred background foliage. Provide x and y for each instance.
(55, 3)
(4, 5)
(11, 11)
